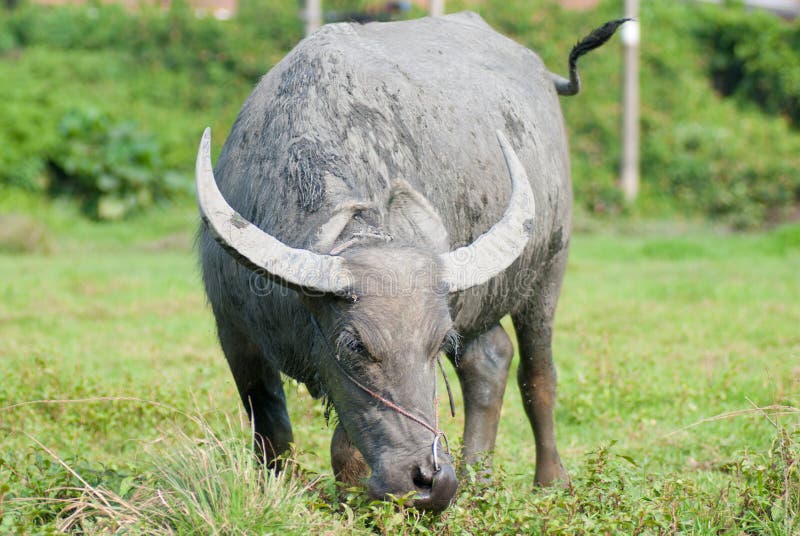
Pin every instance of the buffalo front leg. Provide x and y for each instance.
(348, 464)
(261, 390)
(265, 403)
(536, 375)
(482, 370)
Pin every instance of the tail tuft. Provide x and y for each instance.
(596, 38)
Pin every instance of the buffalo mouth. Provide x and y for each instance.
(433, 490)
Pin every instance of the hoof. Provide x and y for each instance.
(552, 476)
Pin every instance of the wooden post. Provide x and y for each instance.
(629, 180)
(436, 8)
(313, 15)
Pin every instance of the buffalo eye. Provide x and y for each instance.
(350, 342)
(450, 344)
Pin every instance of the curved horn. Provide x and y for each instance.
(257, 250)
(497, 248)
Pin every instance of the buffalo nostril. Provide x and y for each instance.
(423, 479)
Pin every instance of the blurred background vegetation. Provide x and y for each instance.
(105, 106)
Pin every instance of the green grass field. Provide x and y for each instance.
(118, 413)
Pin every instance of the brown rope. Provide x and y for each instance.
(447, 385)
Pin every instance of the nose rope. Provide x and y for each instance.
(437, 433)
(447, 385)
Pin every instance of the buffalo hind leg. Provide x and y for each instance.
(482, 370)
(537, 374)
(261, 390)
(348, 464)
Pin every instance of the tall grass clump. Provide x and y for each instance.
(769, 486)
(206, 483)
(202, 482)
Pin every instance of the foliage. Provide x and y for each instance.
(152, 67)
(754, 57)
(710, 167)
(769, 486)
(207, 50)
(112, 168)
(702, 153)
(45, 486)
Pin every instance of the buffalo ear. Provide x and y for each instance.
(411, 217)
(331, 230)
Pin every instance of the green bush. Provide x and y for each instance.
(114, 168)
(754, 57)
(177, 39)
(702, 153)
(710, 168)
(157, 68)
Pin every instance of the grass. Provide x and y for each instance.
(677, 345)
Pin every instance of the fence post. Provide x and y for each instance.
(629, 180)
(312, 15)
(436, 8)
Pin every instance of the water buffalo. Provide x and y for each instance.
(362, 222)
